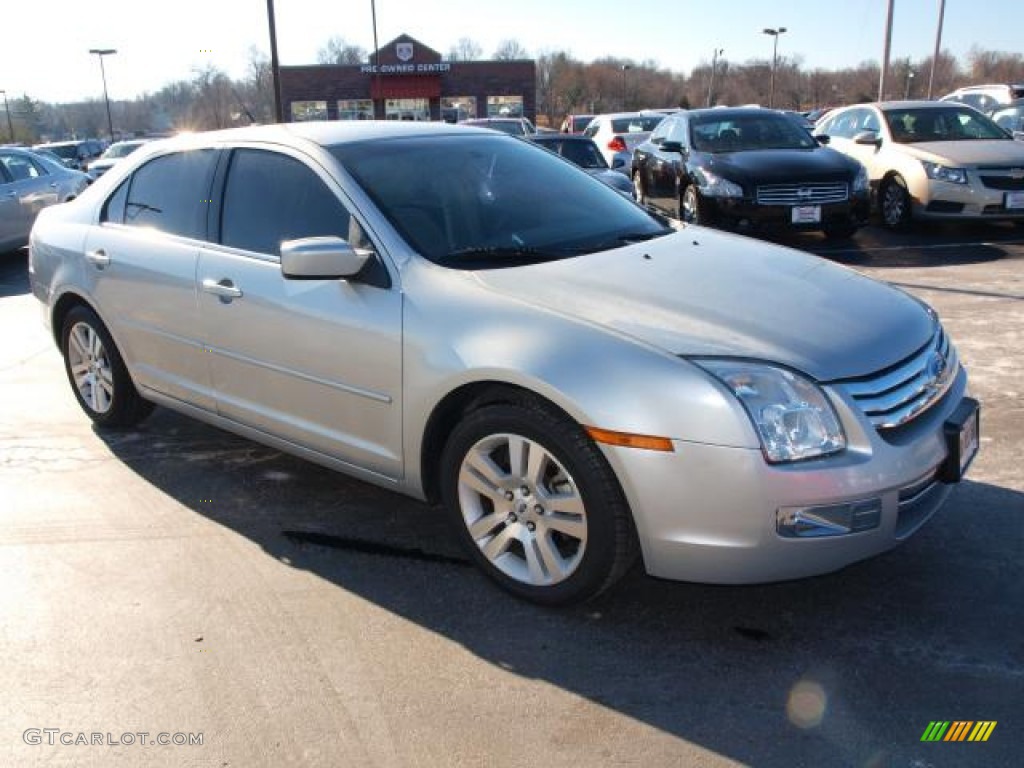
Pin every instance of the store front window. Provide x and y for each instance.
(309, 110)
(504, 106)
(407, 109)
(355, 109)
(456, 108)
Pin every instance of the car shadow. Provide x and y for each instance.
(932, 245)
(14, 273)
(845, 669)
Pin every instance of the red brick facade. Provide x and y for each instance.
(407, 69)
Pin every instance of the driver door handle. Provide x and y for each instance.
(223, 288)
(98, 258)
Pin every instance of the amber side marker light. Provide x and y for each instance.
(627, 440)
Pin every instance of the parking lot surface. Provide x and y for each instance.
(175, 579)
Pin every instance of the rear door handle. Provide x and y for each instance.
(223, 288)
(98, 258)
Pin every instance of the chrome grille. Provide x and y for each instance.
(802, 194)
(894, 396)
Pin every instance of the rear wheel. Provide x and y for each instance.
(895, 204)
(536, 504)
(97, 373)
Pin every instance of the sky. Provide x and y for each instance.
(161, 42)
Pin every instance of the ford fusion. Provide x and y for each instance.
(465, 318)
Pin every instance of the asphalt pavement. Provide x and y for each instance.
(179, 582)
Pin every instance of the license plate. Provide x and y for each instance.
(963, 432)
(809, 214)
(1015, 200)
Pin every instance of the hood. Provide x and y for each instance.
(781, 166)
(969, 153)
(704, 292)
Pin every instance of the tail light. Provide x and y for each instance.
(618, 144)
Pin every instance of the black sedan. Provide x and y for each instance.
(747, 168)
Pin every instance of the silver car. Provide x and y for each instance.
(29, 183)
(463, 317)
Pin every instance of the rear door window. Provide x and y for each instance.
(171, 193)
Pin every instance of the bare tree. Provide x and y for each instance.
(339, 51)
(510, 50)
(466, 49)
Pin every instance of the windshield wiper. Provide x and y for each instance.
(502, 255)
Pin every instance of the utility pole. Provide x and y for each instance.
(888, 50)
(7, 109)
(625, 67)
(714, 65)
(938, 44)
(275, 65)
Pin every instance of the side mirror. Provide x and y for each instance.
(671, 146)
(321, 258)
(822, 138)
(868, 138)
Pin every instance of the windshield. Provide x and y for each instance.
(480, 202)
(911, 126)
(120, 150)
(713, 133)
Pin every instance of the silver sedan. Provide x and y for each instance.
(29, 183)
(465, 318)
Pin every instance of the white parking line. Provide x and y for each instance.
(931, 247)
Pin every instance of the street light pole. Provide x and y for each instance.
(275, 64)
(714, 65)
(624, 68)
(101, 52)
(7, 109)
(775, 33)
(910, 79)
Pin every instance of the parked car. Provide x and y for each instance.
(575, 123)
(74, 154)
(29, 183)
(932, 160)
(461, 316)
(115, 152)
(583, 152)
(985, 98)
(515, 126)
(747, 168)
(616, 135)
(1010, 117)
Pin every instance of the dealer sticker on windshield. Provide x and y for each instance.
(807, 214)
(1015, 200)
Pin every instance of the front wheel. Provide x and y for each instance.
(692, 209)
(98, 376)
(536, 504)
(895, 204)
(638, 189)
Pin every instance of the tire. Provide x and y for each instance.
(842, 231)
(692, 209)
(894, 203)
(638, 189)
(552, 526)
(97, 372)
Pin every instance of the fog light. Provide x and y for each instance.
(830, 520)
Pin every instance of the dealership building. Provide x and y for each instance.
(406, 80)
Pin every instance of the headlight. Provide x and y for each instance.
(712, 185)
(943, 173)
(791, 414)
(860, 181)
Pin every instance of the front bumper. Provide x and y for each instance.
(980, 199)
(708, 513)
(747, 213)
